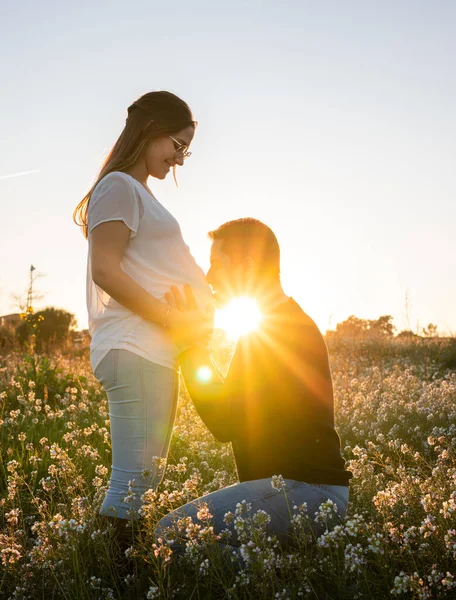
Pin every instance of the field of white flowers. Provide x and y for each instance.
(396, 415)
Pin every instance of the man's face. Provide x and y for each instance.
(223, 276)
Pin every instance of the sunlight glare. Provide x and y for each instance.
(204, 374)
(239, 317)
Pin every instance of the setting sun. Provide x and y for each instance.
(239, 317)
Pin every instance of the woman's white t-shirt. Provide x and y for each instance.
(156, 257)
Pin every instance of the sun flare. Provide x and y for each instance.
(239, 317)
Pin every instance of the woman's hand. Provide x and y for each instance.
(187, 324)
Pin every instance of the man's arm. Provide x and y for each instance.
(217, 401)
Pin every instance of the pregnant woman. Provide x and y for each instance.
(136, 253)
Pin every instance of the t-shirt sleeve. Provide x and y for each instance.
(114, 199)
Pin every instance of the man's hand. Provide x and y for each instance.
(175, 299)
(187, 324)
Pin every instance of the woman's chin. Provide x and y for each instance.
(166, 173)
(160, 173)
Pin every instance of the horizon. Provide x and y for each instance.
(219, 325)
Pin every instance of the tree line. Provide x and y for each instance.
(381, 328)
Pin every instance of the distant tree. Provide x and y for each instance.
(431, 330)
(353, 327)
(56, 324)
(383, 326)
(52, 326)
(407, 334)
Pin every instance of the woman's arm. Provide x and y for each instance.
(108, 244)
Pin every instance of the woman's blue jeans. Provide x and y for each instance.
(142, 406)
(260, 494)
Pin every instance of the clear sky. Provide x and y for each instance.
(333, 122)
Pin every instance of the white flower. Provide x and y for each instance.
(153, 592)
(278, 483)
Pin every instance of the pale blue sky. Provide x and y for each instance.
(333, 122)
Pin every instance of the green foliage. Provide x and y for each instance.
(27, 329)
(55, 325)
(448, 355)
(49, 380)
(47, 328)
(7, 339)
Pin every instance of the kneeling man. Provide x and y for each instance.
(275, 404)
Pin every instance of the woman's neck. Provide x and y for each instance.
(139, 172)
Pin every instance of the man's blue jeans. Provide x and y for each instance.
(260, 494)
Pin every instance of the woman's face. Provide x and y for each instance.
(164, 153)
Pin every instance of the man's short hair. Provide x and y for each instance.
(246, 237)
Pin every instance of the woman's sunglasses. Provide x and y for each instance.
(179, 147)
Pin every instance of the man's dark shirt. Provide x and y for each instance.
(276, 403)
